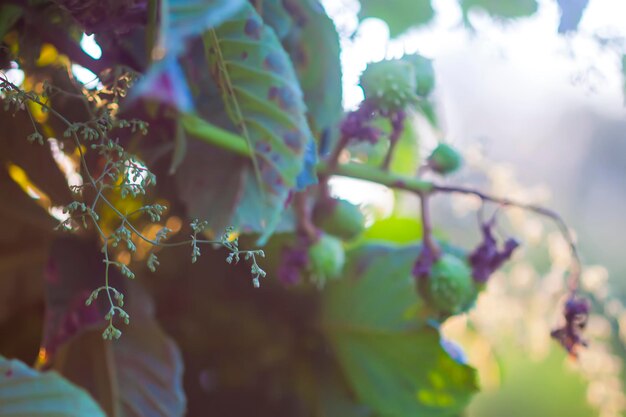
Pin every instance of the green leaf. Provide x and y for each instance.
(401, 230)
(259, 98)
(262, 96)
(181, 21)
(276, 16)
(400, 15)
(184, 19)
(394, 362)
(508, 9)
(424, 73)
(180, 147)
(428, 110)
(406, 155)
(26, 392)
(334, 399)
(318, 67)
(138, 375)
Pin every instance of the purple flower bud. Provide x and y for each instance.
(293, 261)
(356, 124)
(487, 258)
(576, 313)
(576, 306)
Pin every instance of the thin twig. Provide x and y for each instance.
(554, 216)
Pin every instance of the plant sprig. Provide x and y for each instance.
(122, 171)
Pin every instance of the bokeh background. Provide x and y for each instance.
(540, 116)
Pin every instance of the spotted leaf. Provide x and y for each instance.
(262, 96)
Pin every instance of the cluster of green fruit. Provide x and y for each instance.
(448, 279)
(338, 220)
(448, 287)
(395, 84)
(320, 256)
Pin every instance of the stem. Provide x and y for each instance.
(554, 216)
(392, 147)
(303, 216)
(210, 39)
(152, 27)
(427, 226)
(214, 135)
(397, 123)
(368, 173)
(333, 158)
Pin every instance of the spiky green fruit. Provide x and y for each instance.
(445, 159)
(326, 258)
(424, 73)
(390, 84)
(450, 289)
(339, 218)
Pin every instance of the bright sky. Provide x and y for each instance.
(530, 45)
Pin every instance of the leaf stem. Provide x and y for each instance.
(214, 135)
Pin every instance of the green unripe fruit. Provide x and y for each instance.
(450, 289)
(326, 259)
(339, 218)
(444, 159)
(424, 73)
(390, 84)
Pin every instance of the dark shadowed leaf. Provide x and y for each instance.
(400, 15)
(394, 362)
(74, 270)
(19, 208)
(26, 229)
(335, 400)
(35, 159)
(202, 168)
(9, 14)
(26, 392)
(139, 375)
